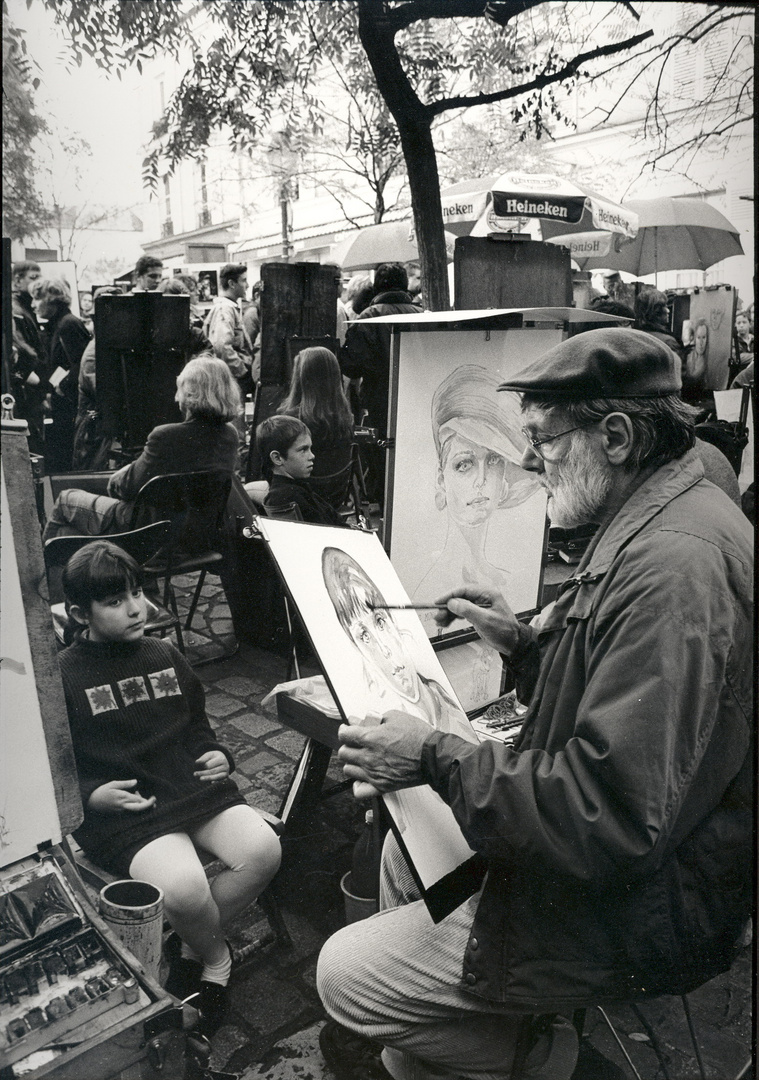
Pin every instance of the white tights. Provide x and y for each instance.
(200, 911)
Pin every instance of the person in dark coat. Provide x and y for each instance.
(206, 440)
(67, 338)
(316, 397)
(29, 373)
(287, 461)
(366, 356)
(616, 831)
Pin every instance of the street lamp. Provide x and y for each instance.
(284, 163)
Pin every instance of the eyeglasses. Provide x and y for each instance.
(536, 443)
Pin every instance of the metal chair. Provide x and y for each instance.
(194, 503)
(343, 489)
(142, 544)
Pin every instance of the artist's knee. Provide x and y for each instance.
(340, 976)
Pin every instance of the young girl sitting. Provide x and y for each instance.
(154, 780)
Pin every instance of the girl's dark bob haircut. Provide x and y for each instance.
(97, 570)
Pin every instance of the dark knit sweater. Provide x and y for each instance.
(137, 711)
(283, 491)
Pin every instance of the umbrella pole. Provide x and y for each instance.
(656, 258)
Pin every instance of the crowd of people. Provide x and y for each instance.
(614, 835)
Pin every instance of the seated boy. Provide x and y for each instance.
(284, 443)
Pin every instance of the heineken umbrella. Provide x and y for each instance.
(673, 234)
(463, 203)
(569, 214)
(390, 241)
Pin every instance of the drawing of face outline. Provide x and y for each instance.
(371, 628)
(701, 339)
(471, 478)
(376, 636)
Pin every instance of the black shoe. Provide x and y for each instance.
(351, 1056)
(212, 1005)
(184, 975)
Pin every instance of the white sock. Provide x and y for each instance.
(218, 973)
(188, 954)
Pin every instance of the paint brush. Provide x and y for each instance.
(415, 607)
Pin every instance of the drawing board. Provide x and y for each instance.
(376, 660)
(463, 510)
(712, 317)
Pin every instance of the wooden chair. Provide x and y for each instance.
(142, 544)
(194, 503)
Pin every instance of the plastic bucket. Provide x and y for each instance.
(134, 911)
(356, 907)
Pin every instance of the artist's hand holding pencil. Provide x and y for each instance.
(383, 758)
(486, 609)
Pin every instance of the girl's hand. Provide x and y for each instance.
(116, 795)
(213, 766)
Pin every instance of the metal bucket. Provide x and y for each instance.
(134, 911)
(356, 907)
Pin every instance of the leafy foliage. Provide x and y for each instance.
(23, 208)
(249, 61)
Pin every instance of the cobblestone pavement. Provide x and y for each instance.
(272, 1029)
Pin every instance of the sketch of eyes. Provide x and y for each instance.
(467, 462)
(464, 464)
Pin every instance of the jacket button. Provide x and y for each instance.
(471, 978)
(474, 943)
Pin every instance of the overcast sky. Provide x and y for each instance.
(89, 103)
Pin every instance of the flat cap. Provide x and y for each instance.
(613, 362)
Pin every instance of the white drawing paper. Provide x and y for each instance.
(463, 510)
(375, 660)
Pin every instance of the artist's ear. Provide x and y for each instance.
(617, 437)
(78, 614)
(275, 457)
(440, 499)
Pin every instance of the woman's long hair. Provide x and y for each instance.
(316, 396)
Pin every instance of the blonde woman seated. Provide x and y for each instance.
(209, 399)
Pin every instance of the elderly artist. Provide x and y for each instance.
(617, 831)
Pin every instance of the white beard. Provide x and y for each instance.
(582, 488)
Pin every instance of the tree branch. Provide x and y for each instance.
(501, 11)
(540, 81)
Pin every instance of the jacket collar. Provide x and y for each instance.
(392, 296)
(644, 504)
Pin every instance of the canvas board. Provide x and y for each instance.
(463, 510)
(374, 662)
(713, 309)
(727, 404)
(475, 671)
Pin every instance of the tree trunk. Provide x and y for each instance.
(424, 184)
(415, 128)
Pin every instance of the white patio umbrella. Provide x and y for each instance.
(464, 202)
(569, 214)
(391, 241)
(673, 234)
